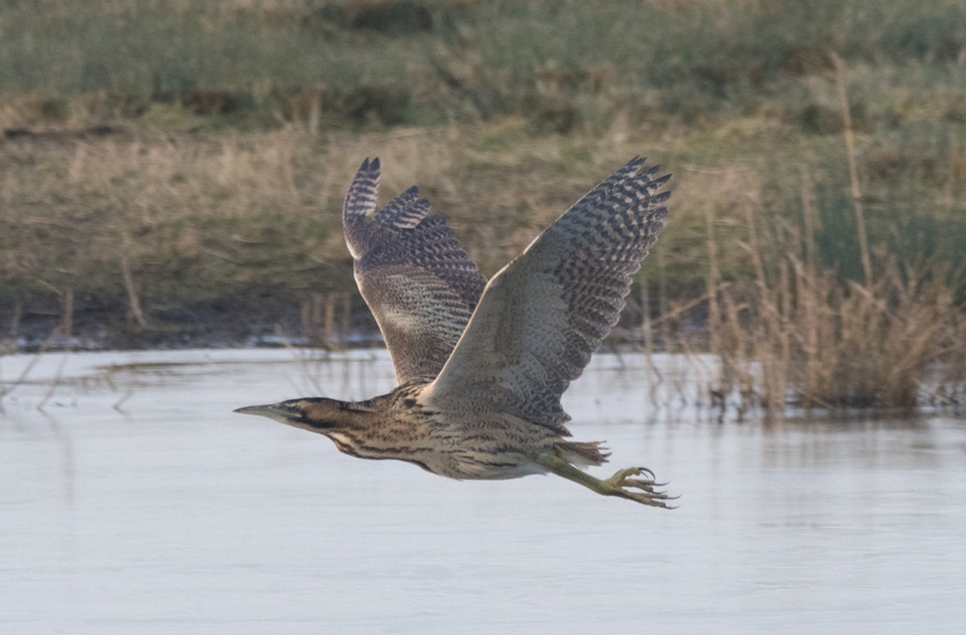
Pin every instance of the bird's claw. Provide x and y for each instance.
(641, 490)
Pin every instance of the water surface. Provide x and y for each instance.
(137, 502)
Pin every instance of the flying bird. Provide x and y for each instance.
(481, 366)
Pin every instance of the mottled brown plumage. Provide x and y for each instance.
(412, 272)
(482, 366)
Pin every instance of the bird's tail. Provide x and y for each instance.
(583, 454)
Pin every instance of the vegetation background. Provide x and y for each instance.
(171, 171)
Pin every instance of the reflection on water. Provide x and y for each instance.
(138, 502)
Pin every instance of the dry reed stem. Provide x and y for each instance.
(132, 294)
(856, 189)
(44, 347)
(67, 328)
(304, 371)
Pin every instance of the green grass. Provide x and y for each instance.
(471, 59)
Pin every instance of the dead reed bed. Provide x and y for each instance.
(154, 224)
(797, 334)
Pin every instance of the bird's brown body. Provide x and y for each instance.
(482, 366)
(477, 444)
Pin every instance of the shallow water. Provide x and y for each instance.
(137, 502)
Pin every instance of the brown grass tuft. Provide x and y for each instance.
(798, 335)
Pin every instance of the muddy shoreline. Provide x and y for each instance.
(220, 326)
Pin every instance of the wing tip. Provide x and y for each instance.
(649, 180)
(638, 162)
(360, 201)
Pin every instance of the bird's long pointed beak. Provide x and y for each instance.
(267, 410)
(281, 412)
(272, 411)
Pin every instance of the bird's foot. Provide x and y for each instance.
(643, 490)
(623, 483)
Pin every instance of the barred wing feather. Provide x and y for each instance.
(412, 272)
(545, 313)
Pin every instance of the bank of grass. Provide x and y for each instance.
(188, 189)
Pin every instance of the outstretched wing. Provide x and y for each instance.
(412, 272)
(545, 313)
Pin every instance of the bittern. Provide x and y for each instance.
(481, 366)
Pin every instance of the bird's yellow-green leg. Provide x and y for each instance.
(620, 484)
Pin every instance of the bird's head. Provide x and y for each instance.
(315, 414)
(344, 422)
